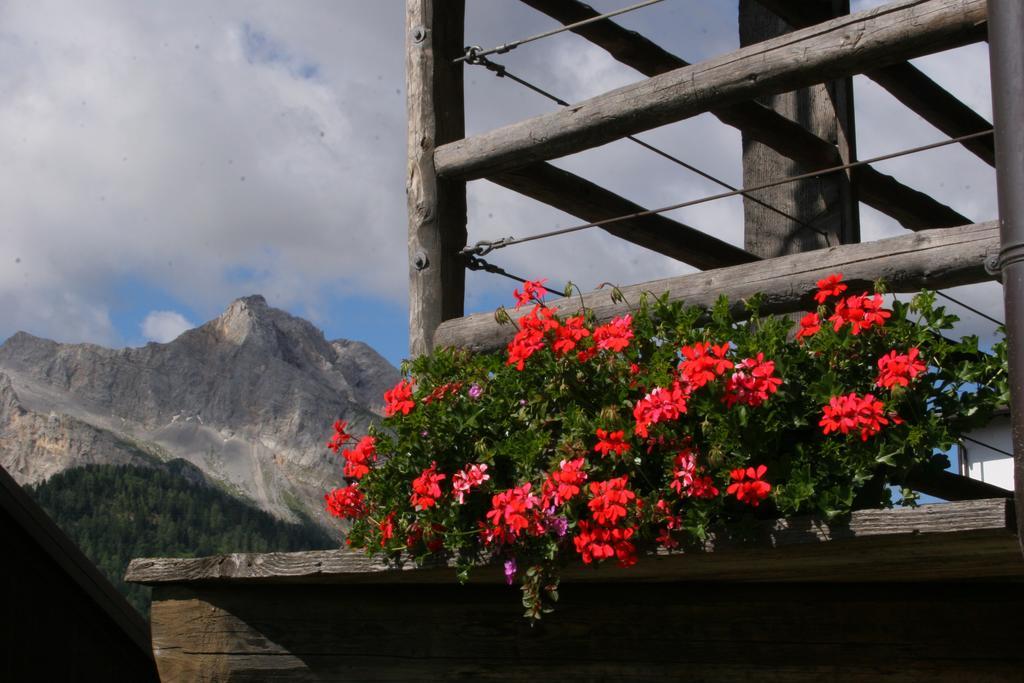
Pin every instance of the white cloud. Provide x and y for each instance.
(164, 326)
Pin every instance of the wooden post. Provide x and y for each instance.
(437, 207)
(827, 204)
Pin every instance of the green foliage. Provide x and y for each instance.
(115, 513)
(524, 424)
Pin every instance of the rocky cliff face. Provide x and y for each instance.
(248, 397)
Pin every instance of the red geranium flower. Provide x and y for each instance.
(341, 437)
(861, 312)
(615, 335)
(387, 529)
(609, 500)
(661, 404)
(563, 484)
(532, 289)
(569, 334)
(703, 362)
(346, 502)
(747, 485)
(426, 488)
(611, 442)
(513, 512)
(809, 326)
(530, 337)
(899, 368)
(600, 543)
(851, 413)
(357, 460)
(829, 287)
(399, 399)
(752, 383)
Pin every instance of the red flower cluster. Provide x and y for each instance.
(899, 368)
(659, 405)
(346, 502)
(530, 337)
(748, 486)
(387, 529)
(685, 480)
(829, 287)
(469, 478)
(358, 460)
(513, 512)
(860, 311)
(703, 362)
(752, 383)
(399, 399)
(611, 442)
(563, 484)
(595, 542)
(609, 500)
(532, 289)
(601, 538)
(809, 326)
(569, 334)
(341, 437)
(426, 488)
(615, 335)
(853, 413)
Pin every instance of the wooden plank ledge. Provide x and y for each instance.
(969, 539)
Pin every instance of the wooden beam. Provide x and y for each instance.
(891, 33)
(914, 210)
(590, 202)
(826, 207)
(437, 206)
(906, 83)
(812, 542)
(935, 259)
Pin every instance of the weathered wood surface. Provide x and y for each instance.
(934, 259)
(913, 209)
(908, 84)
(590, 202)
(852, 44)
(437, 207)
(826, 207)
(600, 632)
(946, 541)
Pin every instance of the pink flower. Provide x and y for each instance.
(464, 480)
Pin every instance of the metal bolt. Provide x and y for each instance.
(992, 266)
(419, 34)
(420, 260)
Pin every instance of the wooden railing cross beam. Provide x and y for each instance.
(913, 209)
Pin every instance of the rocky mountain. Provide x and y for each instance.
(249, 398)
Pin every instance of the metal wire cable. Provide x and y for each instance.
(485, 247)
(505, 47)
(477, 263)
(501, 71)
(972, 309)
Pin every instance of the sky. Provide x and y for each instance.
(161, 159)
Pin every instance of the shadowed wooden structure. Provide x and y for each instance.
(909, 594)
(62, 620)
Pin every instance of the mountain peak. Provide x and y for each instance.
(237, 322)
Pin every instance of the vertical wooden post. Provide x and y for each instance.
(437, 208)
(829, 203)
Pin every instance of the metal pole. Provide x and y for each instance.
(1006, 55)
